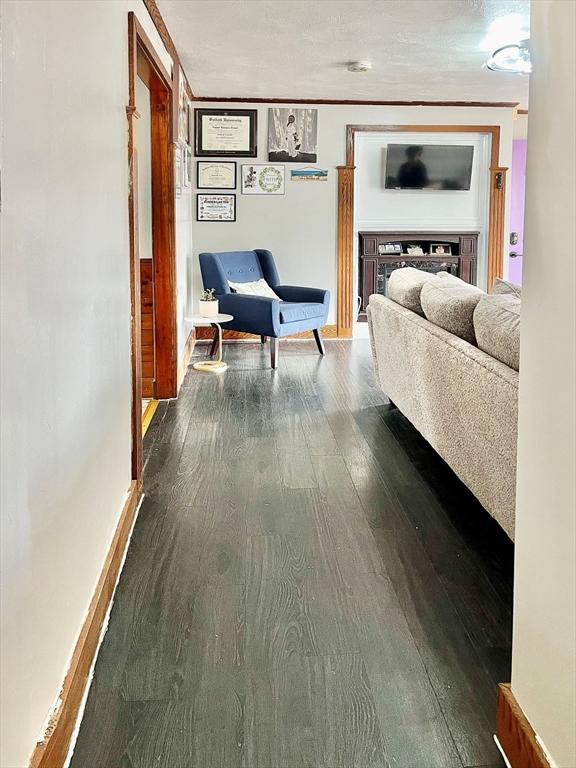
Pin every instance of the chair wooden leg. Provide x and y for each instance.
(214, 346)
(318, 339)
(262, 339)
(273, 352)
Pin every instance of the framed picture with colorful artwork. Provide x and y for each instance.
(262, 179)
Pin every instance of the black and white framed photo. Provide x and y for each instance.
(263, 180)
(225, 132)
(215, 207)
(215, 174)
(292, 135)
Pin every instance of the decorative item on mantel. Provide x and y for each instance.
(208, 304)
(439, 249)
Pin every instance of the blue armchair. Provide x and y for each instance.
(299, 309)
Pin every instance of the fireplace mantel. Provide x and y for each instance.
(376, 262)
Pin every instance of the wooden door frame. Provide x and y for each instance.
(144, 62)
(345, 236)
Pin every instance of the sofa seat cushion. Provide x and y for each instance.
(450, 305)
(497, 327)
(504, 286)
(405, 285)
(293, 312)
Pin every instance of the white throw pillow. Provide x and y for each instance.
(255, 288)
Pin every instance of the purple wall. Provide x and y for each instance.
(517, 191)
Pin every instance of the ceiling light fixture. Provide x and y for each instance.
(359, 66)
(514, 59)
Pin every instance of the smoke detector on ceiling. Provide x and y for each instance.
(359, 66)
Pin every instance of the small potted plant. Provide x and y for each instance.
(208, 303)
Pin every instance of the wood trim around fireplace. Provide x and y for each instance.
(345, 273)
(345, 236)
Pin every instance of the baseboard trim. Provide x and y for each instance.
(515, 734)
(186, 356)
(204, 332)
(53, 750)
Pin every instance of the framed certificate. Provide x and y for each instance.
(215, 207)
(214, 174)
(225, 132)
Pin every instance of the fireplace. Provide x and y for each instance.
(380, 253)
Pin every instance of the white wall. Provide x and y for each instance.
(544, 647)
(65, 357)
(378, 208)
(300, 227)
(521, 127)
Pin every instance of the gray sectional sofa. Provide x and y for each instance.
(446, 354)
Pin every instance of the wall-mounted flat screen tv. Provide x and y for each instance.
(428, 166)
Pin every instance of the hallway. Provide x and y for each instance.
(308, 585)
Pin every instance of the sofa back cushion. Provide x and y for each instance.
(405, 285)
(504, 286)
(450, 304)
(497, 327)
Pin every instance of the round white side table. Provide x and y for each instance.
(212, 366)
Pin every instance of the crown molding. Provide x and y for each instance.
(358, 102)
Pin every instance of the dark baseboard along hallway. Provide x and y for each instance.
(308, 585)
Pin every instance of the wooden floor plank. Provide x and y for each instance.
(307, 585)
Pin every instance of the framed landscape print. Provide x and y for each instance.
(292, 135)
(215, 207)
(225, 132)
(262, 179)
(215, 174)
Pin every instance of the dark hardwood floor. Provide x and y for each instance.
(308, 585)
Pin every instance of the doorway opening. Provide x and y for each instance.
(152, 242)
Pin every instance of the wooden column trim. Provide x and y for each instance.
(345, 276)
(496, 218)
(515, 734)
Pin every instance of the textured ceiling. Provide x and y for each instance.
(420, 49)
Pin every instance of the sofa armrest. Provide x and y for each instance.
(298, 293)
(252, 314)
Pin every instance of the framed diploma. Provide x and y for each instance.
(211, 174)
(215, 207)
(225, 132)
